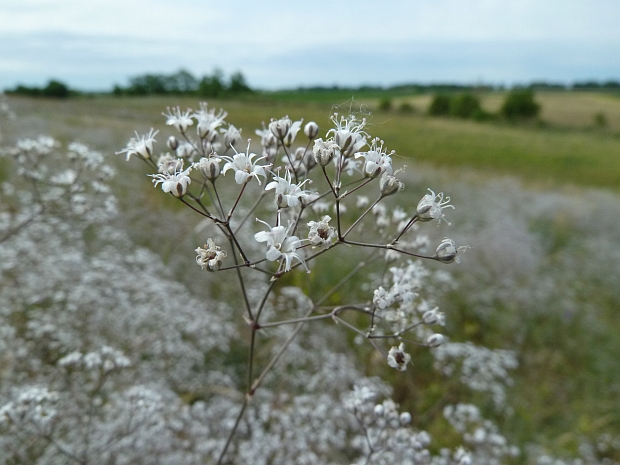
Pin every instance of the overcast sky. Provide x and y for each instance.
(93, 44)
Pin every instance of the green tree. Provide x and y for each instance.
(465, 105)
(238, 84)
(212, 86)
(440, 105)
(520, 104)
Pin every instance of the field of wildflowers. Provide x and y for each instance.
(293, 299)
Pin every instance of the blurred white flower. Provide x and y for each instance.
(398, 358)
(181, 121)
(208, 121)
(140, 146)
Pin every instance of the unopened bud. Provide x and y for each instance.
(280, 127)
(173, 143)
(447, 252)
(311, 130)
(405, 418)
(389, 185)
(379, 409)
(434, 340)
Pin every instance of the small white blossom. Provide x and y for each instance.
(181, 121)
(208, 121)
(325, 151)
(169, 164)
(348, 134)
(232, 136)
(321, 233)
(311, 130)
(382, 298)
(377, 161)
(280, 244)
(288, 194)
(210, 257)
(209, 167)
(389, 185)
(140, 146)
(244, 167)
(398, 358)
(176, 183)
(430, 206)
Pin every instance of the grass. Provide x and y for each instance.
(567, 149)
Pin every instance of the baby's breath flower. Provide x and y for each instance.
(208, 121)
(209, 167)
(280, 127)
(173, 143)
(140, 146)
(181, 121)
(232, 136)
(280, 244)
(348, 134)
(398, 358)
(389, 185)
(288, 194)
(325, 151)
(321, 233)
(175, 183)
(429, 207)
(377, 161)
(244, 167)
(210, 258)
(169, 164)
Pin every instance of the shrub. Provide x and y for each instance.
(465, 105)
(406, 107)
(520, 104)
(385, 104)
(440, 105)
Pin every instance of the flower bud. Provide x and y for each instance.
(447, 252)
(311, 130)
(430, 317)
(172, 142)
(389, 185)
(379, 409)
(405, 418)
(434, 340)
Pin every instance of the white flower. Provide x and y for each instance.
(321, 233)
(244, 167)
(181, 121)
(140, 146)
(232, 136)
(209, 167)
(169, 164)
(280, 244)
(389, 185)
(325, 151)
(311, 130)
(382, 298)
(348, 134)
(210, 258)
(377, 161)
(429, 208)
(208, 121)
(288, 194)
(398, 358)
(175, 183)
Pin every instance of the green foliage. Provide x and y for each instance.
(520, 104)
(600, 120)
(406, 107)
(53, 89)
(385, 104)
(184, 83)
(440, 106)
(465, 105)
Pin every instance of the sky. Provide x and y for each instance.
(94, 44)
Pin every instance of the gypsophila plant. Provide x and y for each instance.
(266, 217)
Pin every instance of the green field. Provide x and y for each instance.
(564, 148)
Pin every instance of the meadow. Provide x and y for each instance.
(537, 202)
